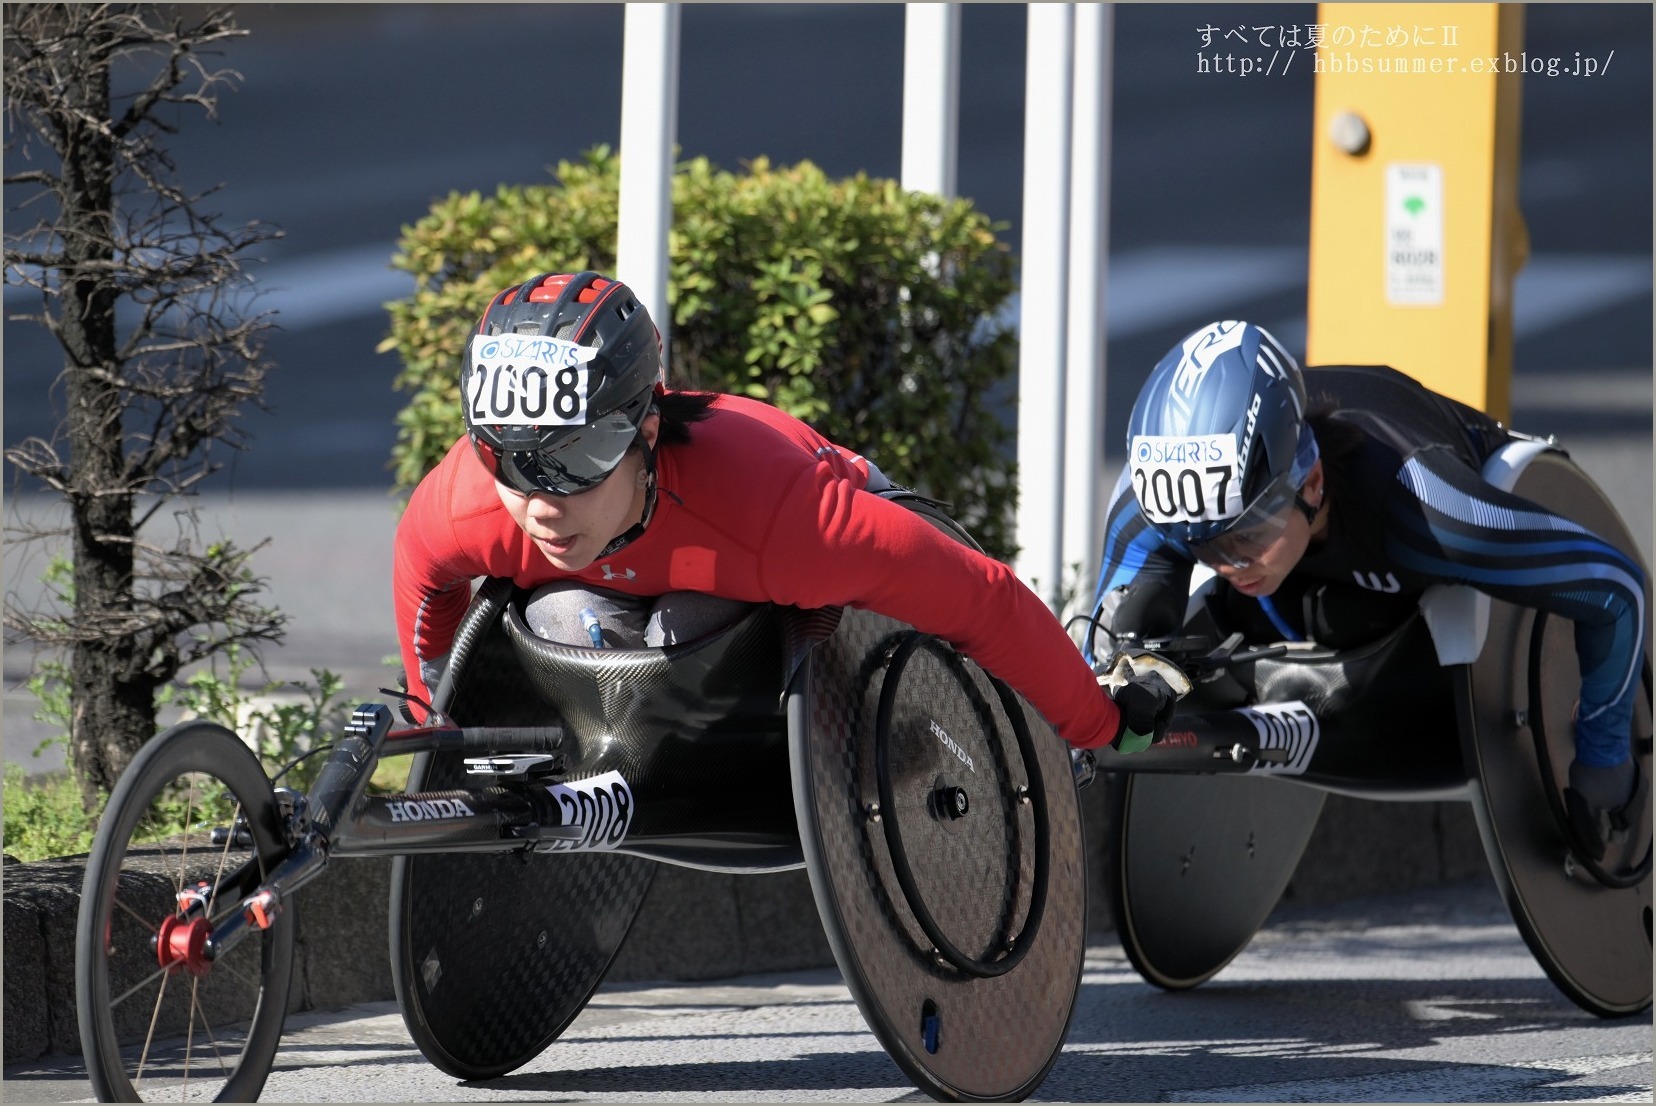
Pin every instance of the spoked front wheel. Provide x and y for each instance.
(191, 829)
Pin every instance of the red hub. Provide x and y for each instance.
(183, 944)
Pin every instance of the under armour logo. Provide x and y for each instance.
(629, 574)
(1374, 582)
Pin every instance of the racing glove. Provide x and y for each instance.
(405, 709)
(1084, 765)
(431, 674)
(1145, 689)
(1603, 804)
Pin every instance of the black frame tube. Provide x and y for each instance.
(344, 822)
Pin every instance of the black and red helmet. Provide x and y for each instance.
(557, 380)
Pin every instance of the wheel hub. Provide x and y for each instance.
(182, 944)
(951, 802)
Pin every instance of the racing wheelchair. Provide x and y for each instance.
(1468, 699)
(935, 811)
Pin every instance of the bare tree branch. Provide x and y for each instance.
(144, 290)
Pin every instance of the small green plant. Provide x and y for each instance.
(868, 311)
(186, 804)
(49, 683)
(284, 735)
(43, 817)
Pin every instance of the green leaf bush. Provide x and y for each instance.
(867, 311)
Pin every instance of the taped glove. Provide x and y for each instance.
(432, 672)
(405, 708)
(1145, 689)
(1084, 765)
(1603, 804)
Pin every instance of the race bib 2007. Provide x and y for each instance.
(1186, 479)
(527, 380)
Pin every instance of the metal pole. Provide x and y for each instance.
(649, 120)
(1043, 298)
(1089, 246)
(931, 97)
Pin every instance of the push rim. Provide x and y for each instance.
(1014, 947)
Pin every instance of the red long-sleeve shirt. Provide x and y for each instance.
(756, 507)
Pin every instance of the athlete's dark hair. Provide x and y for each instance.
(678, 410)
(1336, 438)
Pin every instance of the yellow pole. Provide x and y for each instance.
(1416, 234)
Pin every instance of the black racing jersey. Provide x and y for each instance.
(1408, 508)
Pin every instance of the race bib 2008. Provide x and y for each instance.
(1186, 479)
(601, 806)
(527, 380)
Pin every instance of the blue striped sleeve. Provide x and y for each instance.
(1456, 528)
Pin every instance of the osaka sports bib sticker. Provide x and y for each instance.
(527, 380)
(1186, 479)
(601, 806)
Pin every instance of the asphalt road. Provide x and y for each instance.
(1429, 996)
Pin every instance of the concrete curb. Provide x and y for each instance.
(692, 926)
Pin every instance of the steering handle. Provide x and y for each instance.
(1198, 657)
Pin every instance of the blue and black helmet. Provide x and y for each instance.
(1217, 442)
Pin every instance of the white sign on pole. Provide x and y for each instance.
(1414, 234)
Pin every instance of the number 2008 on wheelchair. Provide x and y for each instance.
(934, 810)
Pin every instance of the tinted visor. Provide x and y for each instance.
(1254, 530)
(578, 462)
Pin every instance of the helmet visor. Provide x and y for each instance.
(1254, 531)
(577, 462)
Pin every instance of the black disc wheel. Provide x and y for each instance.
(1587, 921)
(1197, 865)
(942, 835)
(191, 829)
(494, 955)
